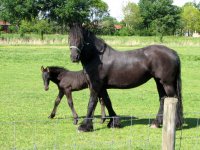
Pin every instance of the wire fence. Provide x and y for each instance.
(60, 133)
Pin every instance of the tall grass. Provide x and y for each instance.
(120, 41)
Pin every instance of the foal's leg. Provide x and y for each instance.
(68, 93)
(114, 120)
(57, 102)
(103, 113)
(159, 118)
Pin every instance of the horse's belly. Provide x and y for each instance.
(127, 79)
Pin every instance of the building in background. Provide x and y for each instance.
(4, 26)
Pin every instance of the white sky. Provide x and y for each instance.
(115, 6)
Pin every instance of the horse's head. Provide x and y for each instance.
(45, 77)
(84, 45)
(76, 41)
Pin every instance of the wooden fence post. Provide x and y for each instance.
(169, 126)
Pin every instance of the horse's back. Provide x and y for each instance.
(133, 68)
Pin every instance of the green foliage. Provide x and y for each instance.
(35, 25)
(191, 18)
(132, 16)
(61, 12)
(149, 17)
(126, 31)
(42, 27)
(70, 11)
(25, 27)
(160, 16)
(18, 10)
(107, 26)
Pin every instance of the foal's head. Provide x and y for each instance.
(45, 77)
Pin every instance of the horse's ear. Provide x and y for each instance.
(47, 69)
(42, 68)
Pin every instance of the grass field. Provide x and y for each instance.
(25, 106)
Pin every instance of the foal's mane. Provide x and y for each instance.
(57, 69)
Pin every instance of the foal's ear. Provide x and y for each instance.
(42, 68)
(47, 69)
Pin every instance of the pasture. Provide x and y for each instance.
(25, 106)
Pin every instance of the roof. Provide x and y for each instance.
(118, 26)
(4, 23)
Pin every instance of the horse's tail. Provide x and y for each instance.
(179, 94)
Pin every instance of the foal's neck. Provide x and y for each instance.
(54, 77)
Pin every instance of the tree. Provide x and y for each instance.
(191, 18)
(62, 12)
(25, 27)
(132, 16)
(69, 11)
(18, 10)
(160, 16)
(42, 26)
(107, 25)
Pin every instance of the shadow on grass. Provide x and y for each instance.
(188, 122)
(131, 121)
(191, 123)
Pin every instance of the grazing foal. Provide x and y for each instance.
(67, 82)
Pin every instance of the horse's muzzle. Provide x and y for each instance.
(75, 59)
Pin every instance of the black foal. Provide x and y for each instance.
(67, 82)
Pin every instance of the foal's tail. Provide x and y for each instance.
(179, 94)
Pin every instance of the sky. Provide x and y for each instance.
(115, 6)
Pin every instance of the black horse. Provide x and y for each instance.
(67, 81)
(108, 68)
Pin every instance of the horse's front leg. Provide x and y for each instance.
(71, 105)
(114, 120)
(57, 102)
(87, 124)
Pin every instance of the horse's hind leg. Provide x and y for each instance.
(71, 105)
(57, 102)
(170, 90)
(161, 92)
(103, 113)
(114, 120)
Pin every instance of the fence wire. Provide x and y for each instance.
(60, 133)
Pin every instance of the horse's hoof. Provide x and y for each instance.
(154, 126)
(75, 121)
(85, 128)
(114, 123)
(51, 116)
(179, 124)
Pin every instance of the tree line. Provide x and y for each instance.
(148, 17)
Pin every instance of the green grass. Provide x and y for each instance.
(25, 105)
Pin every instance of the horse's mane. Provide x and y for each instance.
(76, 33)
(57, 69)
(79, 33)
